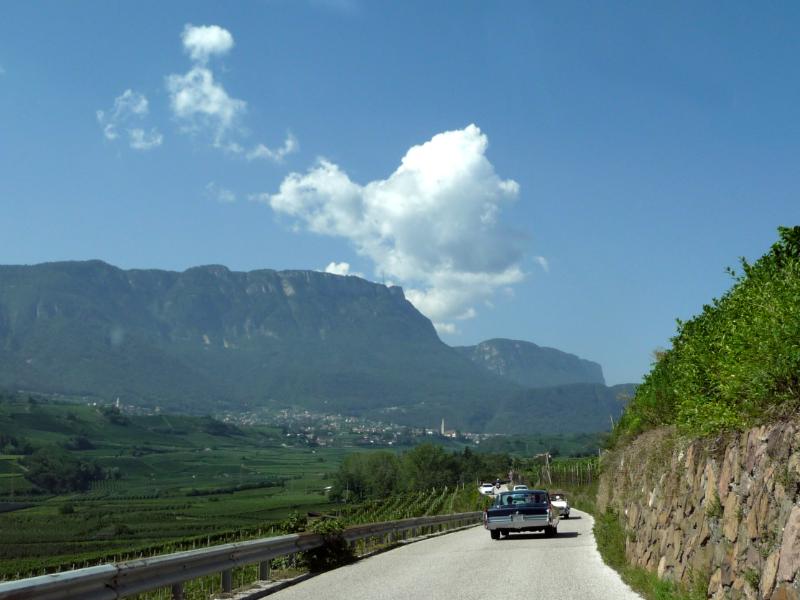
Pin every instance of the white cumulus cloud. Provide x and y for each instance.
(129, 108)
(202, 42)
(432, 225)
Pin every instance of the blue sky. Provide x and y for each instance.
(622, 154)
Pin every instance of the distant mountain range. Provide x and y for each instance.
(530, 365)
(209, 339)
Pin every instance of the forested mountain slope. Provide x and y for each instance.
(209, 339)
(530, 365)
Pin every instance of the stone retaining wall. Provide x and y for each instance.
(724, 510)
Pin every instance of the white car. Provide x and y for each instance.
(487, 489)
(560, 502)
(520, 488)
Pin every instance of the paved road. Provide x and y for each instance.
(468, 565)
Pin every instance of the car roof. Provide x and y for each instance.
(528, 491)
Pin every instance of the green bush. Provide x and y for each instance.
(56, 471)
(738, 362)
(384, 474)
(335, 551)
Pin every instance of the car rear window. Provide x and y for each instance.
(521, 498)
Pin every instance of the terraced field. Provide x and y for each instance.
(172, 483)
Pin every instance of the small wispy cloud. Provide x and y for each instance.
(446, 328)
(145, 140)
(202, 42)
(2, 70)
(341, 268)
(542, 262)
(201, 104)
(219, 193)
(260, 151)
(129, 108)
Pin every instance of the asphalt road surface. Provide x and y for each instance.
(469, 565)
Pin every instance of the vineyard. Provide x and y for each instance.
(567, 472)
(38, 547)
(415, 504)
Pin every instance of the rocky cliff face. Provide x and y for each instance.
(530, 365)
(726, 509)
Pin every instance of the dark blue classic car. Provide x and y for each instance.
(527, 510)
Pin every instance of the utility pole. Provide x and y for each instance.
(546, 456)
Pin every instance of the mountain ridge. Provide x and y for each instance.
(531, 365)
(209, 339)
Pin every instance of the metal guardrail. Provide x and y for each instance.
(120, 580)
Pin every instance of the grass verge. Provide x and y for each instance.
(610, 537)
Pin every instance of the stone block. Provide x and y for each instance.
(662, 567)
(710, 490)
(715, 584)
(730, 517)
(768, 574)
(790, 547)
(785, 592)
(726, 572)
(725, 476)
(751, 524)
(701, 561)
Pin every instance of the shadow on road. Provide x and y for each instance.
(534, 536)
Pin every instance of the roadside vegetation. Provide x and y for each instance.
(610, 536)
(82, 485)
(578, 479)
(376, 475)
(737, 363)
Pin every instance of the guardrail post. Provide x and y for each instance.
(227, 581)
(177, 591)
(263, 570)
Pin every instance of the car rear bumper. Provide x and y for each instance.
(521, 522)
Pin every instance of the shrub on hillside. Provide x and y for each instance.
(424, 467)
(735, 364)
(55, 471)
(334, 552)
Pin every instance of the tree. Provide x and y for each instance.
(374, 474)
(55, 471)
(428, 466)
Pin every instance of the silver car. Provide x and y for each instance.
(560, 502)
